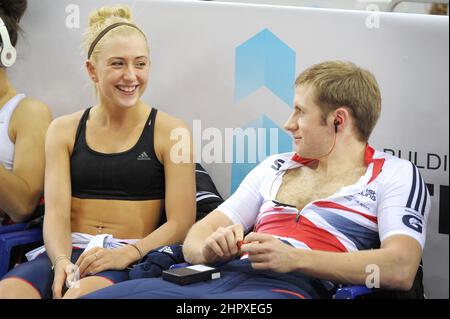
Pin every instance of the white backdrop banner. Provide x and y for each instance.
(228, 71)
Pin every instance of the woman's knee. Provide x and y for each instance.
(13, 288)
(86, 286)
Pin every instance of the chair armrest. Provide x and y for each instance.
(10, 240)
(351, 292)
(12, 228)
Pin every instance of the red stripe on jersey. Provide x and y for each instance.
(301, 160)
(377, 167)
(368, 154)
(304, 231)
(377, 163)
(326, 204)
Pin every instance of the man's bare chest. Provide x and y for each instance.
(302, 185)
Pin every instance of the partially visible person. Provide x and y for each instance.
(23, 125)
(321, 216)
(113, 191)
(439, 9)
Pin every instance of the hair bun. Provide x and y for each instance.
(106, 13)
(13, 8)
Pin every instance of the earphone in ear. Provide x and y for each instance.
(336, 124)
(8, 53)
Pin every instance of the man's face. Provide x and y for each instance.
(312, 137)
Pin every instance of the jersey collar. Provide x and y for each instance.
(368, 159)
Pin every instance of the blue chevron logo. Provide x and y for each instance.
(267, 139)
(265, 60)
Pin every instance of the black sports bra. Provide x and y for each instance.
(135, 174)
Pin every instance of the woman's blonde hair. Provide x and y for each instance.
(101, 19)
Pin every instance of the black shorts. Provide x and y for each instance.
(38, 273)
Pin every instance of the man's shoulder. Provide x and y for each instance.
(391, 161)
(395, 168)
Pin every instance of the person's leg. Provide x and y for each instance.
(31, 280)
(90, 284)
(16, 288)
(246, 283)
(253, 286)
(86, 286)
(157, 288)
(238, 281)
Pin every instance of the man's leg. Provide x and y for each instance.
(154, 288)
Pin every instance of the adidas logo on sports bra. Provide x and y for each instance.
(144, 157)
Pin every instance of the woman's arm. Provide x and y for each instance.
(21, 189)
(180, 205)
(57, 230)
(179, 202)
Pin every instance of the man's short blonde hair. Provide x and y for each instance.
(343, 84)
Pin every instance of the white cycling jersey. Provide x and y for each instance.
(390, 198)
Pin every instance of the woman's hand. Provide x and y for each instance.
(100, 259)
(65, 273)
(222, 244)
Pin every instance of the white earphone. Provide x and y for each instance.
(8, 53)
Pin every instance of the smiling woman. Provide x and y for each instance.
(109, 176)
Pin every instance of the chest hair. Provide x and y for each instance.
(303, 185)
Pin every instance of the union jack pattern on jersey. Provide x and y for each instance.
(391, 198)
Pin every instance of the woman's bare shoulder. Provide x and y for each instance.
(65, 126)
(169, 122)
(32, 109)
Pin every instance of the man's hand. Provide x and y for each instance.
(222, 244)
(269, 253)
(98, 259)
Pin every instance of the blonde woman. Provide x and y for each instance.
(109, 175)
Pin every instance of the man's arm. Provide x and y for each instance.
(212, 239)
(21, 189)
(397, 261)
(215, 237)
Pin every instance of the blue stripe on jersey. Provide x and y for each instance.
(419, 197)
(362, 237)
(423, 194)
(413, 188)
(424, 201)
